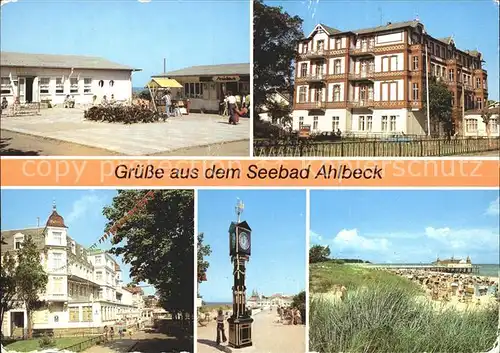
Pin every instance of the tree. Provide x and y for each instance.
(203, 251)
(440, 105)
(299, 302)
(31, 279)
(157, 241)
(275, 38)
(7, 284)
(318, 253)
(279, 112)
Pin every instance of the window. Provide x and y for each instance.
(493, 125)
(73, 88)
(335, 123)
(57, 261)
(97, 260)
(451, 75)
(337, 66)
(74, 314)
(101, 83)
(393, 123)
(303, 70)
(433, 70)
(319, 69)
(6, 87)
(384, 123)
(384, 87)
(315, 123)
(186, 90)
(415, 63)
(385, 64)
(301, 122)
(87, 85)
(98, 276)
(320, 45)
(336, 93)
(338, 43)
(59, 86)
(87, 313)
(18, 242)
(415, 91)
(302, 94)
(57, 236)
(478, 82)
(443, 71)
(479, 103)
(369, 123)
(471, 125)
(394, 63)
(393, 91)
(44, 85)
(361, 123)
(484, 84)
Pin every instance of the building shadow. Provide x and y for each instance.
(156, 345)
(5, 151)
(215, 345)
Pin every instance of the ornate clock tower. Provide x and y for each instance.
(240, 323)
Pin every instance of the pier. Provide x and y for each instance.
(471, 269)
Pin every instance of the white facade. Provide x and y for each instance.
(475, 126)
(84, 291)
(37, 84)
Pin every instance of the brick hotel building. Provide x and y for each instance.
(371, 81)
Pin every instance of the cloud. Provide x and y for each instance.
(464, 240)
(315, 237)
(493, 208)
(3, 2)
(87, 203)
(348, 239)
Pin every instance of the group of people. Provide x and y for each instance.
(171, 107)
(109, 333)
(290, 315)
(235, 106)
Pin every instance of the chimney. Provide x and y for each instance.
(164, 65)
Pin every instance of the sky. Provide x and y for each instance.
(278, 260)
(133, 33)
(81, 210)
(407, 226)
(472, 23)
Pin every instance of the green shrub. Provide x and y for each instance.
(121, 114)
(46, 341)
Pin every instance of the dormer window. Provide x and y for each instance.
(320, 45)
(57, 236)
(18, 241)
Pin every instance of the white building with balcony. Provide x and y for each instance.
(84, 290)
(475, 126)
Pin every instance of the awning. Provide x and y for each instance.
(163, 83)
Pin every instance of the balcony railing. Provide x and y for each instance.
(363, 75)
(362, 103)
(56, 297)
(363, 50)
(312, 105)
(316, 77)
(318, 53)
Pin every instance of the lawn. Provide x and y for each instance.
(33, 344)
(380, 314)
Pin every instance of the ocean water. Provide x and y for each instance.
(491, 270)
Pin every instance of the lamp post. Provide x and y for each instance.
(240, 322)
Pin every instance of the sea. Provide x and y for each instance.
(491, 270)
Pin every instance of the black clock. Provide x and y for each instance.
(232, 239)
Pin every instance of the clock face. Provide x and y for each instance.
(244, 241)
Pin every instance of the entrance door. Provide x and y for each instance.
(29, 89)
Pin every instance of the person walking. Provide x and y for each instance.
(111, 333)
(168, 102)
(231, 103)
(220, 327)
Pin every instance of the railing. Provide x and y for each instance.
(365, 49)
(80, 347)
(312, 77)
(370, 74)
(312, 105)
(361, 103)
(401, 147)
(313, 53)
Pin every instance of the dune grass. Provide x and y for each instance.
(380, 314)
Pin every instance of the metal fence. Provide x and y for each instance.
(80, 347)
(435, 147)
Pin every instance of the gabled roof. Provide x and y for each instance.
(387, 27)
(15, 59)
(446, 40)
(209, 70)
(329, 30)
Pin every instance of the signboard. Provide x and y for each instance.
(305, 131)
(226, 78)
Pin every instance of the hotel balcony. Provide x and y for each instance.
(364, 51)
(312, 78)
(362, 103)
(314, 54)
(52, 297)
(367, 75)
(311, 105)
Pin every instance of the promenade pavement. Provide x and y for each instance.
(268, 337)
(135, 139)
